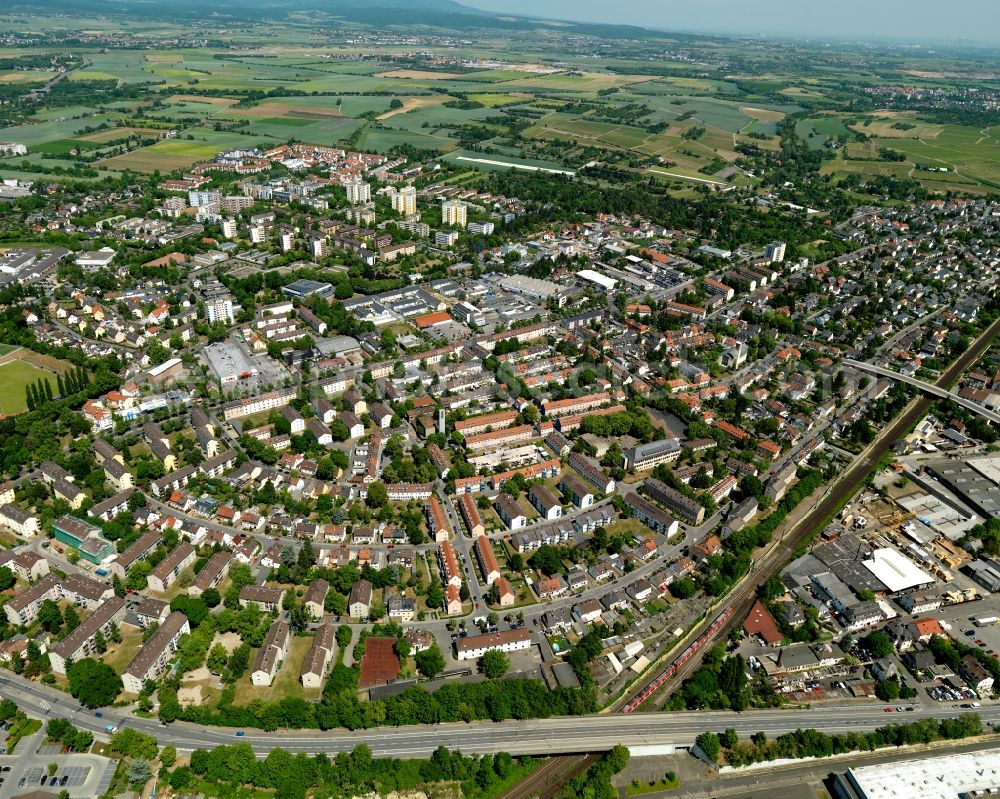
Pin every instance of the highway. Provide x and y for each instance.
(562, 735)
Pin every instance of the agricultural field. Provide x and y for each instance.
(197, 144)
(670, 114)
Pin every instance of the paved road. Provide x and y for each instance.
(541, 736)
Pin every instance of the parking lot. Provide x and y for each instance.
(80, 775)
(68, 777)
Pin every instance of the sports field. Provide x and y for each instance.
(14, 377)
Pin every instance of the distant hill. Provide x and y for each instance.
(433, 15)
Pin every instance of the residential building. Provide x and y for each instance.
(80, 643)
(577, 493)
(212, 574)
(169, 569)
(272, 653)
(487, 560)
(85, 592)
(545, 502)
(156, 653)
(474, 647)
(510, 512)
(359, 601)
(454, 213)
(23, 607)
(315, 598)
(319, 657)
(404, 201)
(19, 520)
(690, 510)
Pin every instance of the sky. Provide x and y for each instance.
(975, 20)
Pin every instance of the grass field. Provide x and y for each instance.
(15, 376)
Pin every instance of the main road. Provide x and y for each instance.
(560, 735)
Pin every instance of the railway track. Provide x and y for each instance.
(548, 779)
(741, 599)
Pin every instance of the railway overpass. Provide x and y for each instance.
(927, 388)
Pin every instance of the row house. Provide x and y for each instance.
(487, 560)
(535, 471)
(450, 570)
(437, 523)
(470, 515)
(404, 492)
(478, 424)
(499, 438)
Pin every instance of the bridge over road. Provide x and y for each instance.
(927, 388)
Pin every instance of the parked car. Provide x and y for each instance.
(240, 733)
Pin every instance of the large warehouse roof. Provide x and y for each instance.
(945, 777)
(605, 282)
(895, 570)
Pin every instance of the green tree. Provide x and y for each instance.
(71, 618)
(168, 756)
(217, 659)
(430, 662)
(879, 644)
(138, 771)
(495, 664)
(377, 495)
(94, 684)
(50, 617)
(617, 759)
(708, 742)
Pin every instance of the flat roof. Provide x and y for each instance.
(596, 277)
(895, 570)
(945, 777)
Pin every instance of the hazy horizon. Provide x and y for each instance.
(970, 20)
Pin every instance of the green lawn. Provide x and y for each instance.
(14, 377)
